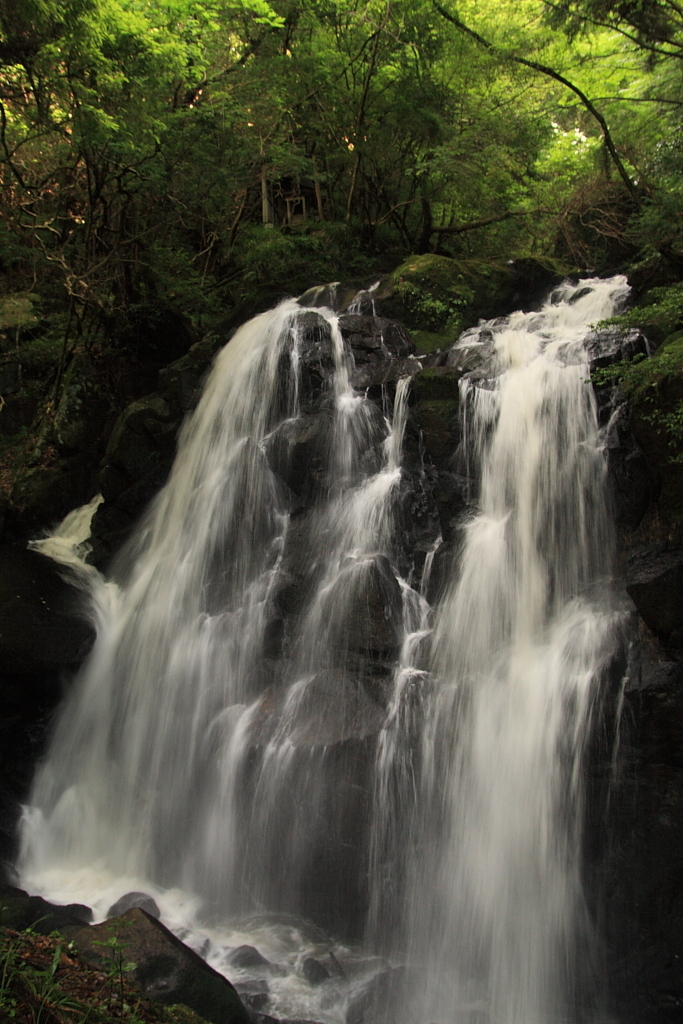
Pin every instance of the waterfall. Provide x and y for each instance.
(274, 721)
(493, 909)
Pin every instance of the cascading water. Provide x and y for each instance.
(274, 722)
(521, 641)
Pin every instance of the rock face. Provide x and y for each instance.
(20, 911)
(638, 886)
(167, 971)
(44, 636)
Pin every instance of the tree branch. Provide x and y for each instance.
(472, 225)
(550, 73)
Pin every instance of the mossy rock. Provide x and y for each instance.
(426, 342)
(438, 384)
(438, 295)
(655, 391)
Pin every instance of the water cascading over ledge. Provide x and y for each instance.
(274, 720)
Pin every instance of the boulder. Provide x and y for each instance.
(654, 581)
(167, 970)
(298, 453)
(316, 360)
(634, 485)
(43, 625)
(332, 709)
(134, 899)
(313, 971)
(607, 345)
(19, 911)
(381, 349)
(247, 957)
(378, 1000)
(372, 624)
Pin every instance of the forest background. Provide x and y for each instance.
(169, 168)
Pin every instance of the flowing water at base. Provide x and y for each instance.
(247, 783)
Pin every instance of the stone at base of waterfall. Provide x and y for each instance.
(654, 581)
(20, 911)
(314, 972)
(245, 957)
(131, 900)
(167, 970)
(43, 627)
(377, 1000)
(254, 993)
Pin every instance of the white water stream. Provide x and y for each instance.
(246, 782)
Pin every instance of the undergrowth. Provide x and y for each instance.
(43, 980)
(654, 388)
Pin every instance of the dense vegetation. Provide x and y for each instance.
(43, 980)
(168, 168)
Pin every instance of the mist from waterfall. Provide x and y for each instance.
(229, 740)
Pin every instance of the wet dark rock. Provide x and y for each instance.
(334, 296)
(181, 381)
(19, 911)
(634, 484)
(246, 957)
(379, 999)
(313, 971)
(167, 970)
(332, 709)
(298, 453)
(134, 899)
(654, 581)
(316, 359)
(374, 617)
(608, 345)
(376, 344)
(143, 439)
(254, 1001)
(45, 494)
(474, 354)
(42, 620)
(376, 334)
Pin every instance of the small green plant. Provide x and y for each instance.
(430, 312)
(658, 313)
(116, 965)
(654, 388)
(34, 988)
(44, 981)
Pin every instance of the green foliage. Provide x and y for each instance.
(143, 145)
(658, 313)
(654, 388)
(43, 980)
(431, 312)
(289, 263)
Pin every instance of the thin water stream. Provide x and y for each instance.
(232, 747)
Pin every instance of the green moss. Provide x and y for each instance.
(432, 341)
(433, 294)
(659, 313)
(654, 388)
(440, 295)
(439, 384)
(437, 419)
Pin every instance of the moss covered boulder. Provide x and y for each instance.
(437, 297)
(655, 391)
